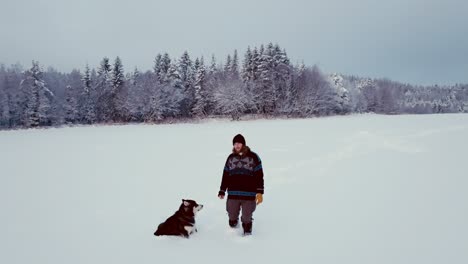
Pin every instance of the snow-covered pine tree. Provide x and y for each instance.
(266, 84)
(196, 65)
(36, 98)
(234, 69)
(255, 85)
(71, 105)
(118, 76)
(119, 94)
(282, 75)
(93, 75)
(464, 98)
(12, 79)
(256, 59)
(247, 66)
(386, 93)
(211, 77)
(134, 76)
(70, 108)
(88, 110)
(343, 100)
(164, 68)
(154, 111)
(104, 70)
(357, 101)
(4, 100)
(164, 99)
(213, 66)
(146, 84)
(461, 95)
(174, 78)
(369, 91)
(103, 91)
(185, 71)
(248, 73)
(453, 104)
(157, 66)
(287, 102)
(86, 78)
(298, 93)
(227, 66)
(136, 95)
(199, 107)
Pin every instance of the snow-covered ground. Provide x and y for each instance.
(356, 189)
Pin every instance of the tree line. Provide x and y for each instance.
(263, 83)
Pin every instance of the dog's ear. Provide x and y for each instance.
(186, 203)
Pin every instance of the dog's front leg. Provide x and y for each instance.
(188, 230)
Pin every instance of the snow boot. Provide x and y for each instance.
(247, 229)
(233, 223)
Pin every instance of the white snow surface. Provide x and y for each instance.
(351, 189)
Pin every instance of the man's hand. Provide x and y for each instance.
(259, 198)
(220, 196)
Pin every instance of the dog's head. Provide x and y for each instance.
(190, 206)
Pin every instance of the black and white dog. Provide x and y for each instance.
(182, 222)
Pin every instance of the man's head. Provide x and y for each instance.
(238, 141)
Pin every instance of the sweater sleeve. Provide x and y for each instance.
(258, 174)
(224, 179)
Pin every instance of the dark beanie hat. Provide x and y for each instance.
(239, 139)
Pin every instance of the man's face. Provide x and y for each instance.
(238, 146)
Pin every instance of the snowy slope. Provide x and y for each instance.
(356, 189)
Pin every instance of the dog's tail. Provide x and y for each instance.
(158, 231)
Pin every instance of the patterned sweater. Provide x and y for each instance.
(242, 175)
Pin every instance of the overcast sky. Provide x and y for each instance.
(415, 41)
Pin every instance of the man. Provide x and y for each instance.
(243, 180)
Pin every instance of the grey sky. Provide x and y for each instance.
(416, 41)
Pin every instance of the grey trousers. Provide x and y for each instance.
(234, 206)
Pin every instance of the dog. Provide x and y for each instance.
(182, 222)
